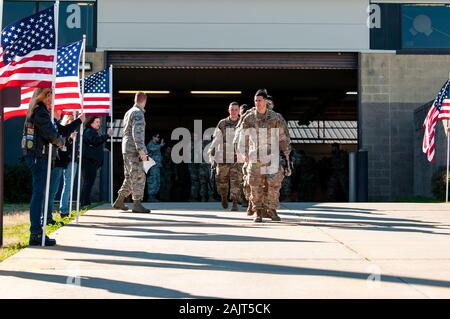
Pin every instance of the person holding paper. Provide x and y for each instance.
(134, 154)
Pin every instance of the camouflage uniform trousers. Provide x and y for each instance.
(264, 188)
(245, 182)
(228, 175)
(154, 180)
(134, 182)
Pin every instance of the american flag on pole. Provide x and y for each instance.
(67, 93)
(97, 95)
(440, 110)
(27, 51)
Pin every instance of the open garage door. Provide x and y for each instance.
(315, 92)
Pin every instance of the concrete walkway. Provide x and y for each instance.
(196, 250)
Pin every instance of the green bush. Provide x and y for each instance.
(17, 183)
(438, 183)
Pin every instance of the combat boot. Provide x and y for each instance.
(258, 218)
(267, 213)
(120, 203)
(273, 215)
(224, 202)
(235, 208)
(250, 210)
(138, 208)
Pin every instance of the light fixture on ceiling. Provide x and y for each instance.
(217, 92)
(146, 92)
(352, 93)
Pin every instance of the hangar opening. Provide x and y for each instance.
(315, 92)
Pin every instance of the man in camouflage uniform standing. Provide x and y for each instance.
(265, 176)
(222, 153)
(134, 152)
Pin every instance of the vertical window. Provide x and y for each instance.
(425, 26)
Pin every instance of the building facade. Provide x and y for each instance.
(370, 62)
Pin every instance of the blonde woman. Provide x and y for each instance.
(39, 132)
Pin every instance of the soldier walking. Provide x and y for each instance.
(222, 154)
(134, 152)
(265, 178)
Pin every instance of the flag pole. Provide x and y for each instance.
(448, 156)
(448, 161)
(50, 148)
(80, 160)
(72, 175)
(112, 127)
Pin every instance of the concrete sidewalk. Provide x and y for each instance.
(197, 250)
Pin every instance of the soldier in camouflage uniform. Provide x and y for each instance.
(264, 182)
(134, 152)
(222, 153)
(154, 174)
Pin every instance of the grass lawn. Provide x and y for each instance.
(418, 199)
(16, 227)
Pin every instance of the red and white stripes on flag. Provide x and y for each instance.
(429, 127)
(94, 104)
(27, 51)
(97, 104)
(97, 95)
(440, 110)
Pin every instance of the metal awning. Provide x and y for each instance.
(324, 132)
(233, 60)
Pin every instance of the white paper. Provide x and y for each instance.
(148, 164)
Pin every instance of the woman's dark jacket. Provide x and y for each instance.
(65, 157)
(45, 131)
(93, 145)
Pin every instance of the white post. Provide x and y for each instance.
(50, 148)
(112, 127)
(80, 160)
(448, 160)
(72, 175)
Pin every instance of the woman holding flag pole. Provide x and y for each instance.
(49, 164)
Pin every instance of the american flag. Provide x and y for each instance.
(27, 51)
(67, 93)
(440, 110)
(97, 99)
